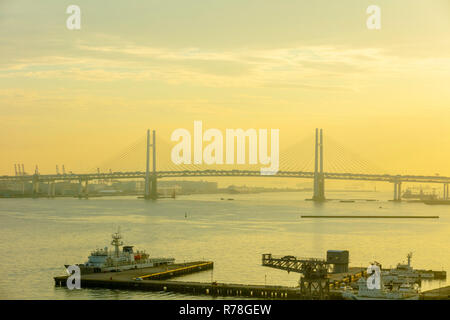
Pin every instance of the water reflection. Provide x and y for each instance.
(39, 236)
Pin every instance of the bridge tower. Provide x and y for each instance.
(35, 185)
(154, 189)
(446, 192)
(151, 191)
(83, 190)
(397, 191)
(51, 187)
(319, 180)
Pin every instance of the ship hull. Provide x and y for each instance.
(437, 202)
(104, 260)
(355, 297)
(88, 269)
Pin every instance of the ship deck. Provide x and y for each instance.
(170, 270)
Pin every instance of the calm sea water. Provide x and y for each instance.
(39, 236)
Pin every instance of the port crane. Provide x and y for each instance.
(314, 284)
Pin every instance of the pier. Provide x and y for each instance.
(150, 273)
(161, 278)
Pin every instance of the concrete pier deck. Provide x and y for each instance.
(160, 279)
(353, 275)
(153, 279)
(158, 272)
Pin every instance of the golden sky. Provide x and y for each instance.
(78, 97)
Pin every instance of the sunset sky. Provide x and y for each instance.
(79, 97)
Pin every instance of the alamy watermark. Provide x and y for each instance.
(74, 279)
(374, 20)
(374, 280)
(216, 152)
(73, 22)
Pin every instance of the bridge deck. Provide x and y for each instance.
(229, 173)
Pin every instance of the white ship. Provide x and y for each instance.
(104, 260)
(406, 271)
(404, 291)
(400, 289)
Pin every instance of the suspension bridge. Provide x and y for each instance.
(340, 166)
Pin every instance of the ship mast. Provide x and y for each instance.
(116, 242)
(409, 256)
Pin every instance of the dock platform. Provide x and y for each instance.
(157, 279)
(150, 273)
(160, 278)
(346, 278)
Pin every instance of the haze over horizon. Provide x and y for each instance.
(79, 97)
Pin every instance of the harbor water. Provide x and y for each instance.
(39, 236)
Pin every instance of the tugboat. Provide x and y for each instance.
(104, 260)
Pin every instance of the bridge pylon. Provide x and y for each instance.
(319, 179)
(35, 186)
(51, 189)
(151, 189)
(397, 191)
(83, 190)
(446, 192)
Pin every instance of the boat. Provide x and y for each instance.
(407, 271)
(104, 260)
(408, 194)
(404, 291)
(434, 202)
